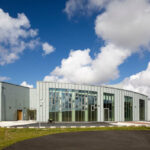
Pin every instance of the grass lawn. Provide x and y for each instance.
(10, 136)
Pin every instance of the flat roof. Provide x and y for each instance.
(14, 84)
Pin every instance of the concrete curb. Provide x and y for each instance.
(54, 127)
(82, 126)
(73, 126)
(92, 126)
(63, 127)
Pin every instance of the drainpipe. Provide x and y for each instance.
(4, 103)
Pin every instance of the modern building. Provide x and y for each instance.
(65, 102)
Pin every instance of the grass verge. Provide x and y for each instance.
(10, 136)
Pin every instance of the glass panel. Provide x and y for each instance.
(142, 109)
(68, 105)
(53, 102)
(92, 108)
(106, 114)
(108, 107)
(128, 108)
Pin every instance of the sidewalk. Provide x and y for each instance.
(35, 124)
(16, 123)
(132, 123)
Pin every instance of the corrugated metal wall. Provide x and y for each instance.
(0, 102)
(149, 109)
(43, 99)
(14, 98)
(33, 99)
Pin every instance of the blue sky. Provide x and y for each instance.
(53, 25)
(69, 30)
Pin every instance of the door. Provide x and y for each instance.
(19, 114)
(141, 110)
(106, 114)
(32, 114)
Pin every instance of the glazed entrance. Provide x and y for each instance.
(72, 105)
(108, 105)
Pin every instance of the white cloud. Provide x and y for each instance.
(47, 48)
(83, 7)
(16, 35)
(24, 83)
(139, 82)
(3, 78)
(79, 67)
(125, 23)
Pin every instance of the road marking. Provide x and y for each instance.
(52, 127)
(63, 127)
(73, 126)
(31, 127)
(92, 126)
(42, 127)
(82, 126)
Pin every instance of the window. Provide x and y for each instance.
(141, 110)
(108, 104)
(68, 105)
(128, 108)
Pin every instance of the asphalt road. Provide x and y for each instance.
(93, 140)
(65, 124)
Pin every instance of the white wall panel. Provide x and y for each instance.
(43, 91)
(33, 99)
(0, 102)
(148, 112)
(13, 98)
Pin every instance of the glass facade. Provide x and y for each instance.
(108, 105)
(68, 105)
(128, 108)
(54, 105)
(72, 105)
(141, 110)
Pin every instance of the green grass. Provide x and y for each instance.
(10, 136)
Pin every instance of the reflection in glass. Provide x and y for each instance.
(128, 108)
(142, 109)
(108, 106)
(54, 106)
(72, 105)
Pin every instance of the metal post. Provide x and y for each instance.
(40, 105)
(4, 103)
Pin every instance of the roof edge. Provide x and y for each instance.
(105, 86)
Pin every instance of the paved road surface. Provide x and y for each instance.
(65, 124)
(94, 140)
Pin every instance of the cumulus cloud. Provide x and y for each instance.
(3, 78)
(16, 35)
(124, 26)
(47, 48)
(139, 82)
(125, 23)
(79, 67)
(24, 83)
(83, 7)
